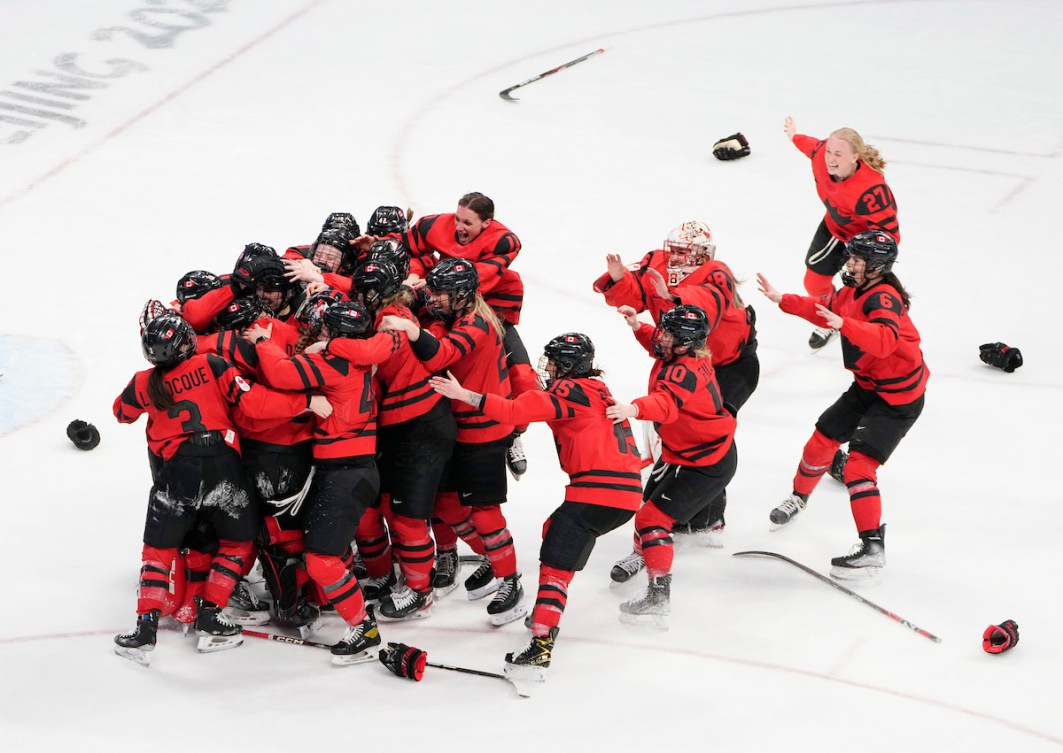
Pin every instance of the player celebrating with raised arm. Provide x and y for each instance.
(880, 345)
(600, 458)
(849, 182)
(698, 454)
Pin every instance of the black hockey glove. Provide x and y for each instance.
(1001, 356)
(999, 638)
(83, 434)
(404, 661)
(734, 146)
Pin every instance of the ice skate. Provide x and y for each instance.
(516, 460)
(305, 617)
(445, 579)
(837, 466)
(654, 604)
(786, 510)
(820, 337)
(482, 582)
(215, 630)
(406, 604)
(507, 605)
(354, 647)
(139, 644)
(375, 589)
(528, 668)
(625, 569)
(865, 561)
(245, 608)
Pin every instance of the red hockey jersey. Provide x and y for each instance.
(880, 344)
(711, 287)
(861, 202)
(600, 457)
(492, 252)
(685, 406)
(472, 350)
(203, 388)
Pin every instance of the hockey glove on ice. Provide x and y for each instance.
(1001, 356)
(999, 638)
(404, 661)
(734, 146)
(83, 434)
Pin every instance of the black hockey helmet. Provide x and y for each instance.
(340, 239)
(242, 312)
(195, 284)
(241, 276)
(876, 247)
(457, 278)
(311, 314)
(394, 251)
(689, 327)
(168, 340)
(572, 355)
(348, 319)
(376, 280)
(342, 221)
(385, 220)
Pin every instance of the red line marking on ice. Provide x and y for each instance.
(164, 101)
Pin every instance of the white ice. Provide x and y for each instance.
(230, 122)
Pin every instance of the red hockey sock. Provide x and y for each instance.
(817, 285)
(815, 461)
(373, 543)
(415, 551)
(339, 585)
(459, 519)
(225, 570)
(552, 598)
(153, 591)
(498, 542)
(655, 535)
(861, 476)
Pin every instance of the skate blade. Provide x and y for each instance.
(439, 593)
(524, 679)
(504, 618)
(869, 575)
(419, 614)
(210, 643)
(243, 617)
(141, 656)
(346, 660)
(306, 632)
(777, 526)
(479, 593)
(659, 621)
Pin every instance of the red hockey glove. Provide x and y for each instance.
(1001, 356)
(999, 638)
(404, 661)
(730, 147)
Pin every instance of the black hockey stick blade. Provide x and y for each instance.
(844, 590)
(504, 94)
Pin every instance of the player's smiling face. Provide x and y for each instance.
(468, 225)
(840, 157)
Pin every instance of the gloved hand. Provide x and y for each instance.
(83, 434)
(404, 661)
(999, 638)
(734, 146)
(152, 309)
(1001, 356)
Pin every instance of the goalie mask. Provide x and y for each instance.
(311, 315)
(688, 247)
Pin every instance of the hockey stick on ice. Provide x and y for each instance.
(504, 94)
(844, 590)
(315, 644)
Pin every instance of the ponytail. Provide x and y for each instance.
(160, 397)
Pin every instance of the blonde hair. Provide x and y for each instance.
(480, 307)
(866, 153)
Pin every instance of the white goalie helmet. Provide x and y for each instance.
(690, 245)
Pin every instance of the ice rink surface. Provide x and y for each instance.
(140, 140)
